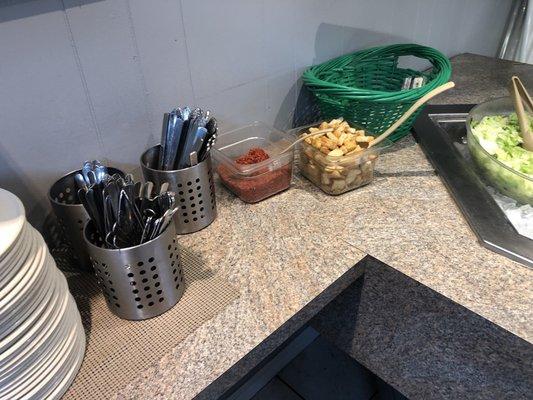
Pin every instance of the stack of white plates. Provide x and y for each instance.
(42, 341)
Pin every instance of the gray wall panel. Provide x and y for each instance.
(98, 74)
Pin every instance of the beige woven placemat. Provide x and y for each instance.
(118, 350)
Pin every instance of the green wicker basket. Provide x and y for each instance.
(365, 87)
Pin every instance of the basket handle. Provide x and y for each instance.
(419, 103)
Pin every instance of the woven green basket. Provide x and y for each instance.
(365, 87)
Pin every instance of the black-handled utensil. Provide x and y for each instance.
(164, 141)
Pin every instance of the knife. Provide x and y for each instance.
(164, 140)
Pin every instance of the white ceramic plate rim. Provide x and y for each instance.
(48, 319)
(35, 360)
(18, 251)
(23, 280)
(59, 348)
(39, 335)
(72, 369)
(24, 311)
(12, 218)
(64, 364)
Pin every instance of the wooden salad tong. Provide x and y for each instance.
(521, 97)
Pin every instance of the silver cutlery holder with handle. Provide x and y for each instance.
(194, 188)
(138, 282)
(71, 216)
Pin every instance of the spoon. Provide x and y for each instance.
(309, 135)
(163, 188)
(85, 170)
(80, 182)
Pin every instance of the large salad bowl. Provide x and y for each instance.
(494, 149)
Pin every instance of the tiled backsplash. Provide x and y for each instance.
(90, 79)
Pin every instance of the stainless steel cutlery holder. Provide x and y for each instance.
(138, 282)
(194, 188)
(71, 215)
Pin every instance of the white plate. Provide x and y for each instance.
(21, 377)
(23, 282)
(74, 366)
(12, 264)
(21, 303)
(16, 254)
(24, 300)
(28, 306)
(73, 369)
(48, 377)
(43, 348)
(43, 362)
(12, 219)
(55, 392)
(26, 368)
(27, 334)
(40, 337)
(23, 267)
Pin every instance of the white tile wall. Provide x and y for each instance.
(224, 39)
(86, 79)
(162, 55)
(104, 40)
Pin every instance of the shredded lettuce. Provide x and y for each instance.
(500, 136)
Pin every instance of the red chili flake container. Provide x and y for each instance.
(241, 164)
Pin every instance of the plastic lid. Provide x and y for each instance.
(12, 217)
(233, 144)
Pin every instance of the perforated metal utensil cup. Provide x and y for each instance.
(138, 282)
(71, 215)
(194, 188)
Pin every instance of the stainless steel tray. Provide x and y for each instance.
(441, 132)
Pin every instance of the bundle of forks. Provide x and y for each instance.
(125, 213)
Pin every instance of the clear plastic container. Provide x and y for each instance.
(510, 182)
(254, 182)
(337, 174)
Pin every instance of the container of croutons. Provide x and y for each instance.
(339, 159)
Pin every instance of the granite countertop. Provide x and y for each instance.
(281, 258)
(291, 254)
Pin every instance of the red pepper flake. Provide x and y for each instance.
(254, 156)
(256, 187)
(262, 184)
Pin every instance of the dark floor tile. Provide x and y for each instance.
(322, 371)
(276, 390)
(386, 391)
